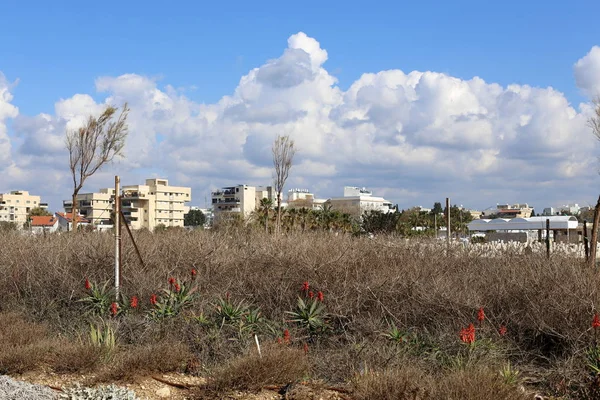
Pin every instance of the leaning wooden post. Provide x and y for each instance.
(586, 243)
(594, 241)
(548, 237)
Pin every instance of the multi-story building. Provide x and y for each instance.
(302, 198)
(16, 205)
(240, 200)
(144, 206)
(357, 201)
(95, 207)
(155, 203)
(521, 210)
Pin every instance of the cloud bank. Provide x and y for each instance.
(415, 137)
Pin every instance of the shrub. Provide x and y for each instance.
(279, 365)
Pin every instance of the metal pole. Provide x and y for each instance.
(117, 222)
(548, 237)
(586, 243)
(448, 221)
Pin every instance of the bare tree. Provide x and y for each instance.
(594, 123)
(283, 157)
(94, 145)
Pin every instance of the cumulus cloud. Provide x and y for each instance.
(587, 73)
(416, 136)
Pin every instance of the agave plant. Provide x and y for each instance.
(310, 315)
(229, 312)
(172, 302)
(99, 300)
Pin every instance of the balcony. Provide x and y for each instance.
(134, 195)
(85, 203)
(226, 192)
(228, 201)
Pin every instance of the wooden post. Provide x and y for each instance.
(594, 241)
(448, 221)
(117, 225)
(548, 237)
(586, 244)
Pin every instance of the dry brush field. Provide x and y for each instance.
(379, 319)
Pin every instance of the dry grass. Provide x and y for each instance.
(132, 361)
(547, 305)
(279, 365)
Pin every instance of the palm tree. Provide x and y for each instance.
(264, 209)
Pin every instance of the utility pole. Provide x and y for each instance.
(448, 221)
(117, 222)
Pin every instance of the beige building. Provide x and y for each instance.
(155, 203)
(95, 207)
(241, 199)
(15, 206)
(357, 201)
(144, 206)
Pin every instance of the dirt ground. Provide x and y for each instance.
(151, 387)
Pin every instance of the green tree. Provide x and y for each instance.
(437, 208)
(264, 209)
(37, 212)
(194, 218)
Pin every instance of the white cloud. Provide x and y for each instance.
(587, 73)
(420, 135)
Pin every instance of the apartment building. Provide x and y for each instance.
(95, 207)
(303, 198)
(155, 203)
(15, 206)
(144, 206)
(357, 201)
(241, 199)
(519, 210)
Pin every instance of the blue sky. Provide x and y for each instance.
(57, 50)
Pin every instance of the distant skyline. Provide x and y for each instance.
(482, 103)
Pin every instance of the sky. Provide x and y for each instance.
(482, 103)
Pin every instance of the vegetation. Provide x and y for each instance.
(93, 145)
(194, 218)
(377, 315)
(283, 158)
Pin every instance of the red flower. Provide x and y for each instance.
(596, 321)
(311, 295)
(286, 336)
(134, 302)
(480, 315)
(194, 273)
(502, 330)
(320, 296)
(305, 286)
(153, 299)
(177, 287)
(114, 308)
(467, 335)
(171, 281)
(88, 285)
(305, 348)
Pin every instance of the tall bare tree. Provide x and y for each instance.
(283, 158)
(94, 145)
(594, 123)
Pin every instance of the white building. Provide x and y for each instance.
(357, 201)
(240, 200)
(303, 198)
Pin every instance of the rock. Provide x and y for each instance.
(163, 393)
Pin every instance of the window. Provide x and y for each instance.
(28, 202)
